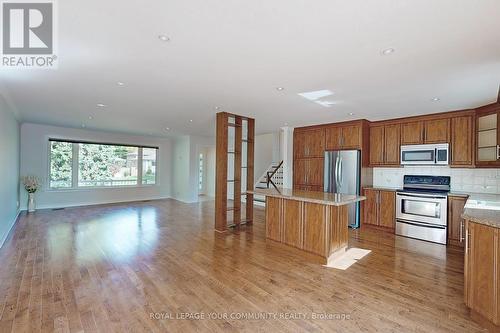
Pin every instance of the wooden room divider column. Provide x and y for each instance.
(234, 170)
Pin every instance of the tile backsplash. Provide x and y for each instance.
(462, 180)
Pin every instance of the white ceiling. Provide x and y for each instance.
(234, 54)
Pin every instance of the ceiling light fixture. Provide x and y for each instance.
(101, 105)
(163, 38)
(190, 120)
(217, 108)
(435, 99)
(167, 129)
(280, 88)
(90, 117)
(388, 51)
(351, 114)
(121, 84)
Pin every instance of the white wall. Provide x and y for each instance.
(286, 152)
(462, 180)
(34, 161)
(210, 163)
(180, 169)
(9, 169)
(185, 166)
(266, 152)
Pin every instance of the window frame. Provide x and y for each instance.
(76, 159)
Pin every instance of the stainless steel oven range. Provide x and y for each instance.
(421, 208)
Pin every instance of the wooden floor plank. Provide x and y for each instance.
(113, 268)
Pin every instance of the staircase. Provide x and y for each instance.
(272, 178)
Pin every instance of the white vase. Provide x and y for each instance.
(31, 203)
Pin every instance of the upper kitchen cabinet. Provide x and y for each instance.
(425, 131)
(309, 143)
(385, 143)
(412, 133)
(462, 141)
(437, 131)
(346, 135)
(488, 136)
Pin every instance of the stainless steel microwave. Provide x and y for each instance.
(436, 154)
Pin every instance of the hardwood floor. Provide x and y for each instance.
(108, 268)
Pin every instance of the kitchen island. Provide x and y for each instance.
(482, 259)
(314, 222)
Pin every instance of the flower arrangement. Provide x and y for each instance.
(31, 183)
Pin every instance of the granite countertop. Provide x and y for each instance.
(331, 199)
(383, 188)
(490, 217)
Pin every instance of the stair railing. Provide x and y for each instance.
(270, 175)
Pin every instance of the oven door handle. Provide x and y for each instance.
(421, 196)
(421, 224)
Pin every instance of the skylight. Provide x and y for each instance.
(315, 95)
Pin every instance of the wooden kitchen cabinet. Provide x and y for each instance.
(488, 136)
(387, 209)
(308, 171)
(462, 141)
(456, 225)
(377, 143)
(482, 256)
(370, 207)
(309, 143)
(425, 131)
(437, 131)
(344, 137)
(412, 133)
(379, 208)
(273, 218)
(392, 144)
(385, 144)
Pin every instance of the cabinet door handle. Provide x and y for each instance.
(498, 152)
(462, 231)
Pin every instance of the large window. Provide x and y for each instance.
(86, 165)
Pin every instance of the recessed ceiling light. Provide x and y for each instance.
(351, 114)
(163, 38)
(100, 105)
(167, 129)
(190, 120)
(388, 51)
(90, 117)
(280, 88)
(121, 84)
(435, 99)
(217, 108)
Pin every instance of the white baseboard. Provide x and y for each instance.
(10, 229)
(98, 203)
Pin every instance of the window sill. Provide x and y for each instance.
(86, 189)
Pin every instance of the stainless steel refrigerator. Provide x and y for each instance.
(343, 175)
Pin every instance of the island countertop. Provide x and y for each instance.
(330, 199)
(490, 217)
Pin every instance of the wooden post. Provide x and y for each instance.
(237, 171)
(250, 167)
(221, 173)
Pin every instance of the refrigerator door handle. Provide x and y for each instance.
(337, 173)
(341, 176)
